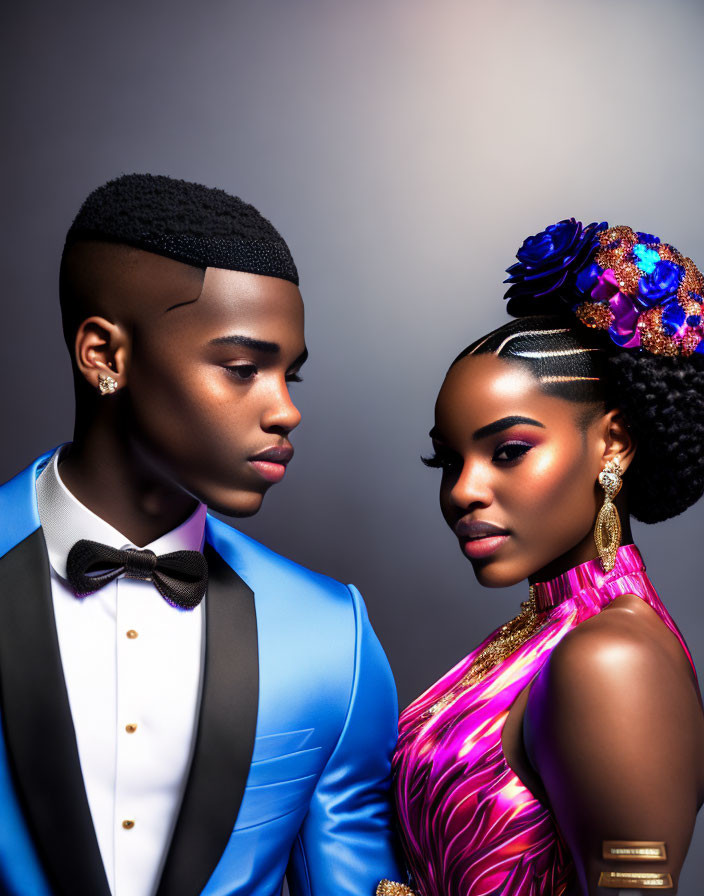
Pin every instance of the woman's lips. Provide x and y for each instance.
(479, 538)
(478, 548)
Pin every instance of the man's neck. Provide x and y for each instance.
(108, 476)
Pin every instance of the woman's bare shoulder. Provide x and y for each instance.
(618, 679)
(615, 731)
(626, 645)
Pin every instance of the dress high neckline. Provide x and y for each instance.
(589, 576)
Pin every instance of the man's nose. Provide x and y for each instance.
(282, 413)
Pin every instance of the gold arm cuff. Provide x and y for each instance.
(634, 851)
(391, 888)
(635, 880)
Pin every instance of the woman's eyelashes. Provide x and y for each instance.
(442, 458)
(506, 453)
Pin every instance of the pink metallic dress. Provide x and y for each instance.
(469, 826)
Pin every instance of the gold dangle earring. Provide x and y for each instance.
(607, 531)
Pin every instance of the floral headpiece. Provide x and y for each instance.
(643, 292)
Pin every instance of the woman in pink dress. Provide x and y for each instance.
(565, 755)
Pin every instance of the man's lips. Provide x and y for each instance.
(271, 463)
(479, 538)
(277, 454)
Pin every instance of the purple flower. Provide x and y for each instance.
(550, 260)
(624, 329)
(660, 285)
(605, 286)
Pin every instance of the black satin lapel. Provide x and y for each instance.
(38, 726)
(225, 736)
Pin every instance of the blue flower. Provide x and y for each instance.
(551, 245)
(662, 284)
(647, 238)
(587, 278)
(673, 316)
(548, 260)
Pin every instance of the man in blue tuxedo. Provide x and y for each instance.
(183, 711)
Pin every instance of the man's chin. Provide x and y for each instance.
(237, 504)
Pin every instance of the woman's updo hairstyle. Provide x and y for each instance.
(614, 317)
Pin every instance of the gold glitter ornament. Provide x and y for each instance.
(669, 253)
(628, 276)
(392, 888)
(595, 315)
(693, 280)
(611, 257)
(616, 234)
(692, 308)
(652, 336)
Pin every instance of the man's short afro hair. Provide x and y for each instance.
(188, 222)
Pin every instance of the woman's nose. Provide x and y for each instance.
(471, 487)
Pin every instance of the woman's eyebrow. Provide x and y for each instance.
(300, 360)
(504, 423)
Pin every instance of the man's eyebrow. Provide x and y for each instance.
(504, 423)
(261, 345)
(271, 348)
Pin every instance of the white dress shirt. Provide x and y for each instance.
(132, 665)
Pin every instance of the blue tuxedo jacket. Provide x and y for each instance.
(291, 760)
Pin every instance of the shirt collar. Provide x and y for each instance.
(65, 521)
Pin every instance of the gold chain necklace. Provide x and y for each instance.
(508, 639)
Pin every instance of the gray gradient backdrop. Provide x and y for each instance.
(404, 149)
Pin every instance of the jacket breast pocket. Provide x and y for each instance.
(279, 783)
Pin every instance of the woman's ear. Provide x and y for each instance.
(101, 354)
(618, 441)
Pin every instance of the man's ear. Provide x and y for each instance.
(100, 350)
(618, 441)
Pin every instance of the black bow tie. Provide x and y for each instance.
(181, 577)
